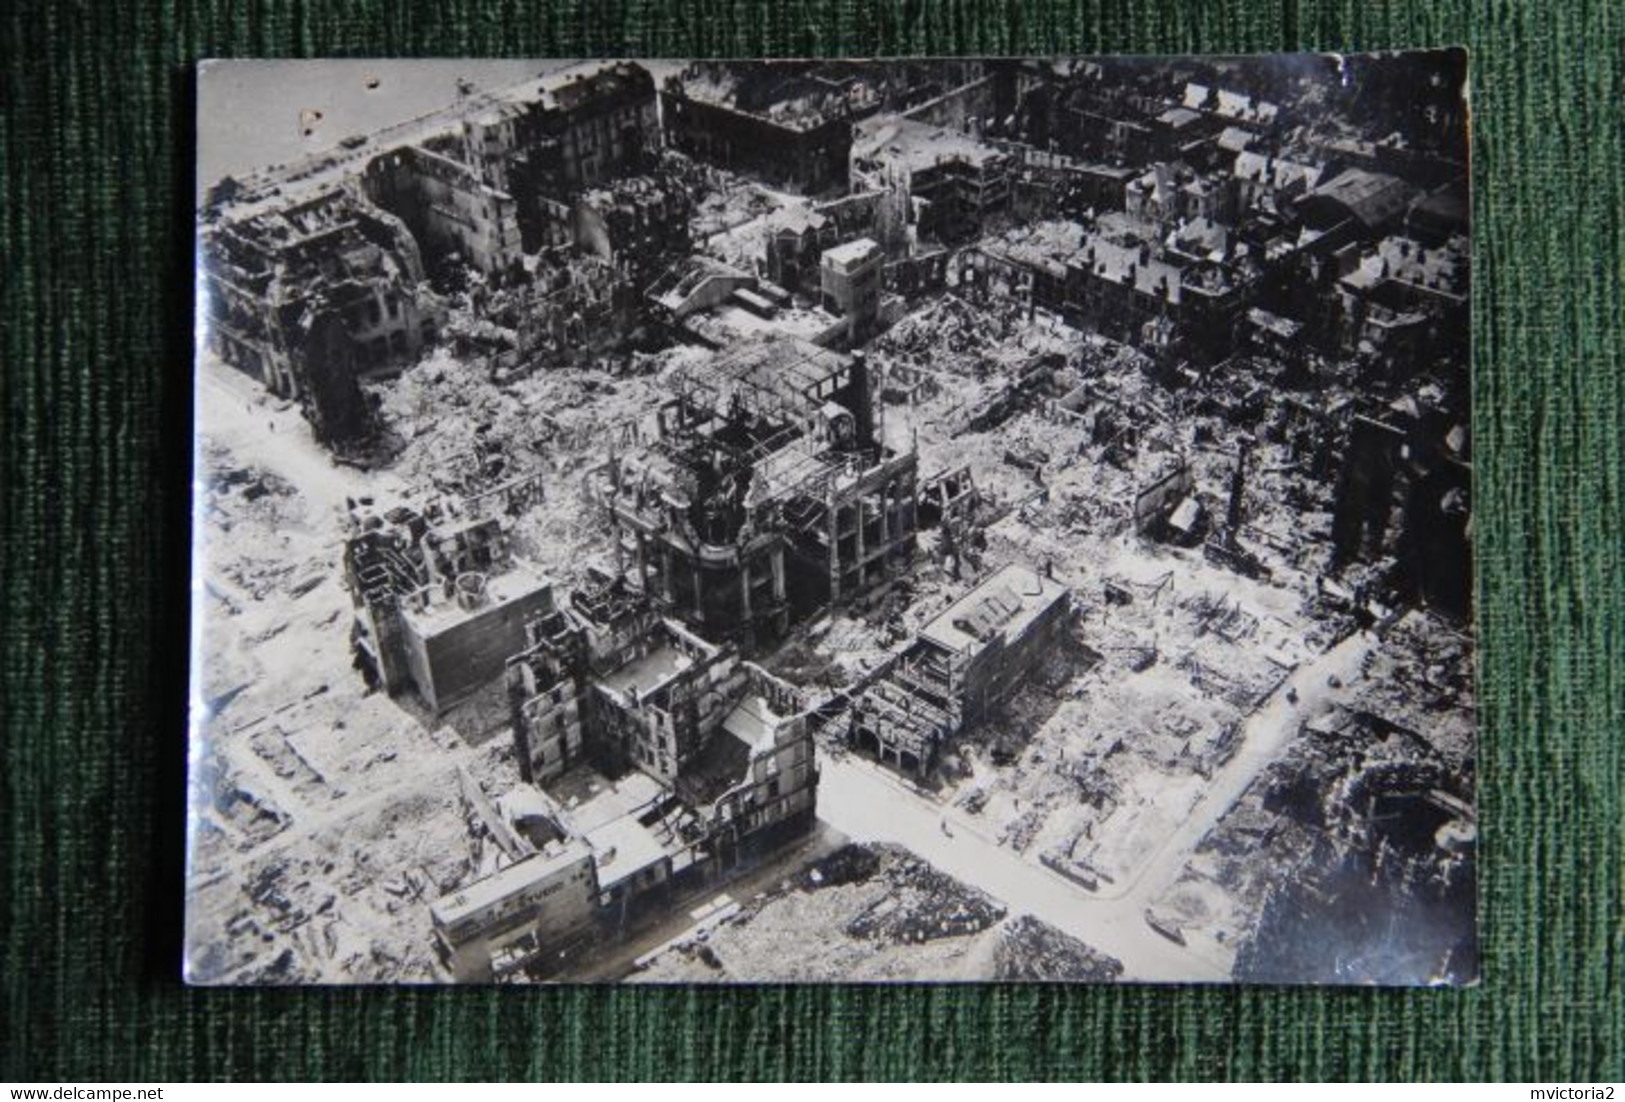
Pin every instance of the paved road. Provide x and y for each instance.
(862, 802)
(868, 803)
(1260, 742)
(275, 436)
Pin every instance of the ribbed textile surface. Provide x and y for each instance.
(95, 243)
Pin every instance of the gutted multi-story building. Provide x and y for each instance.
(638, 224)
(547, 140)
(961, 664)
(441, 600)
(959, 185)
(795, 247)
(705, 762)
(776, 122)
(313, 298)
(1172, 193)
(768, 491)
(454, 215)
(1137, 290)
(1405, 301)
(850, 276)
(1404, 497)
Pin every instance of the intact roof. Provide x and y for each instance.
(1234, 139)
(678, 283)
(1120, 264)
(519, 581)
(1371, 197)
(1447, 206)
(1005, 604)
(632, 795)
(1234, 105)
(730, 322)
(1275, 171)
(1201, 237)
(510, 881)
(1407, 261)
(1231, 105)
(851, 253)
(624, 847)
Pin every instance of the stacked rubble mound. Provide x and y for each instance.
(922, 904)
(1030, 950)
(863, 913)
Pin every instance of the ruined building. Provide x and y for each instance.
(713, 765)
(850, 277)
(1405, 303)
(703, 301)
(441, 602)
(962, 663)
(614, 663)
(547, 140)
(1404, 496)
(638, 224)
(315, 297)
(795, 246)
(497, 925)
(959, 185)
(767, 494)
(774, 122)
(454, 215)
(794, 250)
(1141, 292)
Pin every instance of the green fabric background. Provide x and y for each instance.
(95, 133)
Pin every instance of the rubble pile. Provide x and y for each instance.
(851, 864)
(1368, 810)
(862, 913)
(1094, 466)
(1032, 951)
(732, 220)
(922, 904)
(308, 905)
(553, 423)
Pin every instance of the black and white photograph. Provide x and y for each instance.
(674, 521)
